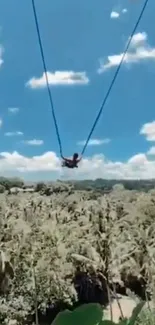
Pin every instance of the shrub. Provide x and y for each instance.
(2, 188)
(92, 314)
(11, 182)
(40, 186)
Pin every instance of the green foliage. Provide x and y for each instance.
(146, 317)
(107, 322)
(40, 186)
(107, 185)
(92, 314)
(89, 314)
(11, 182)
(2, 188)
(135, 313)
(75, 234)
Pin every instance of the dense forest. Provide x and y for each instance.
(98, 184)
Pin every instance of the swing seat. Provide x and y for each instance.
(69, 164)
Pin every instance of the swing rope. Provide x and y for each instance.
(114, 78)
(46, 76)
(109, 89)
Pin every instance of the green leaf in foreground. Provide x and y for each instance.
(63, 318)
(107, 322)
(123, 321)
(92, 314)
(89, 314)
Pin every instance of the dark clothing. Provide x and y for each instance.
(71, 163)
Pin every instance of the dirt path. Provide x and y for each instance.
(127, 305)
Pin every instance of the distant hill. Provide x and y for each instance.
(98, 184)
(105, 184)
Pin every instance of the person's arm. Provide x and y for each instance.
(68, 160)
(78, 160)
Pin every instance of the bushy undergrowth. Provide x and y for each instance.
(64, 245)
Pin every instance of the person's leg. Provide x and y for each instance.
(64, 164)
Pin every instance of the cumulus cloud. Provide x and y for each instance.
(94, 142)
(151, 151)
(1, 55)
(148, 130)
(97, 166)
(59, 78)
(139, 166)
(139, 159)
(19, 163)
(139, 51)
(138, 39)
(34, 142)
(13, 110)
(114, 15)
(12, 134)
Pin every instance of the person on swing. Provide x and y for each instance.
(71, 163)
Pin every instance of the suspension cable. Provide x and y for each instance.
(114, 78)
(46, 76)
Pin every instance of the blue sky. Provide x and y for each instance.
(78, 36)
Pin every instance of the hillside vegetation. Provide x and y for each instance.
(61, 246)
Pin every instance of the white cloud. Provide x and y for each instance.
(114, 15)
(94, 142)
(34, 142)
(97, 166)
(1, 122)
(138, 166)
(139, 51)
(138, 39)
(139, 159)
(148, 130)
(13, 110)
(151, 151)
(59, 78)
(12, 134)
(1, 55)
(16, 162)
